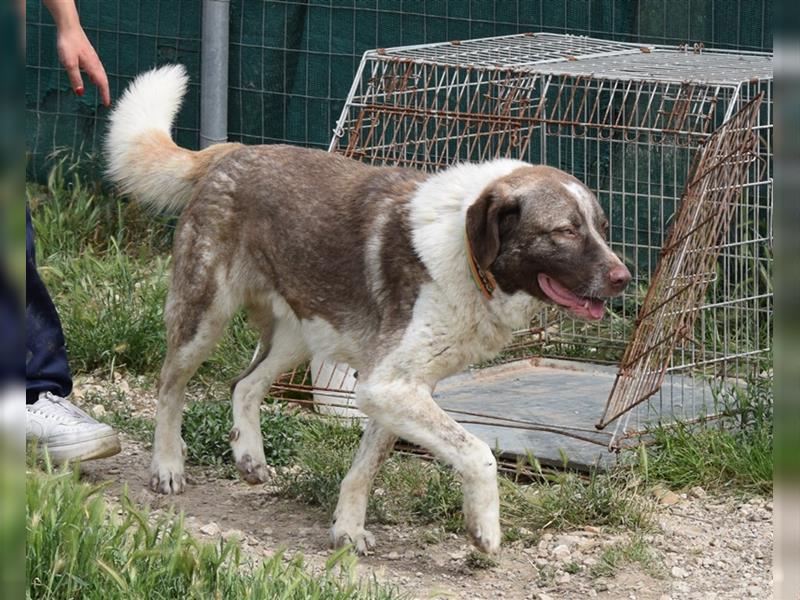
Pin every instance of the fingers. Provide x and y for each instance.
(77, 54)
(74, 73)
(97, 74)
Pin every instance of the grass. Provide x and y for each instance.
(478, 561)
(206, 426)
(634, 551)
(78, 546)
(732, 453)
(564, 500)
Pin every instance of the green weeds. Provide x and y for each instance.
(80, 547)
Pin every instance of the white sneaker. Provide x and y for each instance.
(67, 432)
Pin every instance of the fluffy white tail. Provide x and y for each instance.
(142, 158)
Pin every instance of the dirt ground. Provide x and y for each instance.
(708, 547)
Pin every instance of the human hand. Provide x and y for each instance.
(76, 54)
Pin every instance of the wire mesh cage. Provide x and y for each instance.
(674, 140)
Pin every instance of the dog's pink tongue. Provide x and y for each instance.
(597, 308)
(589, 308)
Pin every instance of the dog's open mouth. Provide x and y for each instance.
(585, 308)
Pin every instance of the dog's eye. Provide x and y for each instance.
(566, 231)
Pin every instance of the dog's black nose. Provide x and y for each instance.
(619, 277)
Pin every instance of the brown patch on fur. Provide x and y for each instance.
(484, 217)
(300, 219)
(295, 221)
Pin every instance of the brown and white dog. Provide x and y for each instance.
(405, 276)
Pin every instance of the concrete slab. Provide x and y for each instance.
(552, 394)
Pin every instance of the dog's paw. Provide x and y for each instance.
(164, 480)
(361, 539)
(485, 534)
(253, 471)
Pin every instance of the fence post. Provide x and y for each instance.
(214, 73)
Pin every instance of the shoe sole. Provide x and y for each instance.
(101, 447)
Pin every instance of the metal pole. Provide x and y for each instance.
(214, 73)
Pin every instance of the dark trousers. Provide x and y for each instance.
(46, 367)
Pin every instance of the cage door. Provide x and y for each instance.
(687, 263)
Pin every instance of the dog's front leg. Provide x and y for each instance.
(408, 410)
(348, 520)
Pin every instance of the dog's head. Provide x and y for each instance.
(541, 231)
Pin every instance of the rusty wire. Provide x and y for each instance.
(688, 261)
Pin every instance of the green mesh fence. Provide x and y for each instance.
(292, 62)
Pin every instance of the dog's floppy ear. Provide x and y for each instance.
(483, 223)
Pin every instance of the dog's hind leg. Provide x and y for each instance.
(193, 328)
(376, 446)
(285, 350)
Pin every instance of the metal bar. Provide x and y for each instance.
(214, 73)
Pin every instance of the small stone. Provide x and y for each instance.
(458, 555)
(542, 547)
(568, 540)
(98, 411)
(124, 386)
(563, 578)
(698, 492)
(665, 597)
(211, 529)
(734, 545)
(601, 586)
(754, 591)
(561, 552)
(393, 555)
(592, 593)
(679, 572)
(592, 529)
(665, 497)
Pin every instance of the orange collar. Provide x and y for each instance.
(484, 280)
